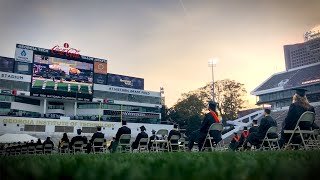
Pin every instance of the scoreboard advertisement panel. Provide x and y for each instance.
(61, 72)
(125, 81)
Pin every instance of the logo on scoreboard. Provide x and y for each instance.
(66, 51)
(24, 55)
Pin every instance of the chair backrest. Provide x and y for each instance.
(98, 141)
(143, 141)
(125, 139)
(307, 116)
(174, 138)
(78, 144)
(272, 130)
(39, 146)
(216, 127)
(64, 145)
(163, 132)
(48, 146)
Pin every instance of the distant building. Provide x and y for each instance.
(301, 54)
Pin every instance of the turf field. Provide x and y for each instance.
(218, 165)
(50, 85)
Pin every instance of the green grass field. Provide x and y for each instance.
(218, 165)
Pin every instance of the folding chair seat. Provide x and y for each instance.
(48, 149)
(307, 136)
(124, 143)
(143, 145)
(268, 142)
(215, 127)
(39, 149)
(77, 147)
(97, 145)
(173, 143)
(182, 145)
(64, 148)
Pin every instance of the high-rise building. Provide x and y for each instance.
(305, 53)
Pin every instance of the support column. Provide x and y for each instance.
(45, 106)
(75, 108)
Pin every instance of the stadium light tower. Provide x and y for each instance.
(212, 63)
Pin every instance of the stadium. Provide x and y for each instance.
(45, 93)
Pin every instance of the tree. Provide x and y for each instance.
(229, 94)
(187, 111)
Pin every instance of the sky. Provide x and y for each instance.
(166, 42)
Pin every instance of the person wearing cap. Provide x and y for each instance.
(97, 134)
(244, 135)
(254, 127)
(78, 138)
(141, 135)
(200, 135)
(123, 130)
(299, 105)
(234, 144)
(64, 139)
(256, 138)
(153, 137)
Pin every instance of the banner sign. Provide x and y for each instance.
(125, 81)
(24, 55)
(130, 114)
(15, 77)
(100, 68)
(100, 87)
(57, 95)
(100, 79)
(58, 51)
(6, 64)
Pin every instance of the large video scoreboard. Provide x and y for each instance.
(60, 72)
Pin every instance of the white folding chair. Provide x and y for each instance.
(124, 143)
(77, 147)
(163, 133)
(97, 145)
(24, 149)
(48, 149)
(215, 127)
(39, 149)
(31, 149)
(272, 143)
(173, 143)
(143, 145)
(307, 143)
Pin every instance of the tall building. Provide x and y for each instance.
(301, 54)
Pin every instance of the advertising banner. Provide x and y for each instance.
(130, 114)
(15, 77)
(100, 79)
(24, 55)
(100, 68)
(125, 81)
(6, 64)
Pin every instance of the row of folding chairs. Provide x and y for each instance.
(26, 150)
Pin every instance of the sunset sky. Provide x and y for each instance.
(167, 42)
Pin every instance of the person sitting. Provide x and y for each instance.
(153, 137)
(111, 144)
(244, 135)
(234, 144)
(141, 135)
(123, 130)
(48, 141)
(78, 138)
(31, 143)
(174, 131)
(254, 127)
(200, 135)
(299, 105)
(63, 140)
(256, 138)
(97, 134)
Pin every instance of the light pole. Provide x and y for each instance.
(212, 63)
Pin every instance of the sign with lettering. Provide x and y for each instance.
(125, 81)
(24, 55)
(66, 51)
(15, 77)
(100, 87)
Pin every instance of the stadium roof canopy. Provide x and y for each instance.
(297, 77)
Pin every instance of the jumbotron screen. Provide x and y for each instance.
(62, 77)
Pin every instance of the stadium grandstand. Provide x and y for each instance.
(51, 91)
